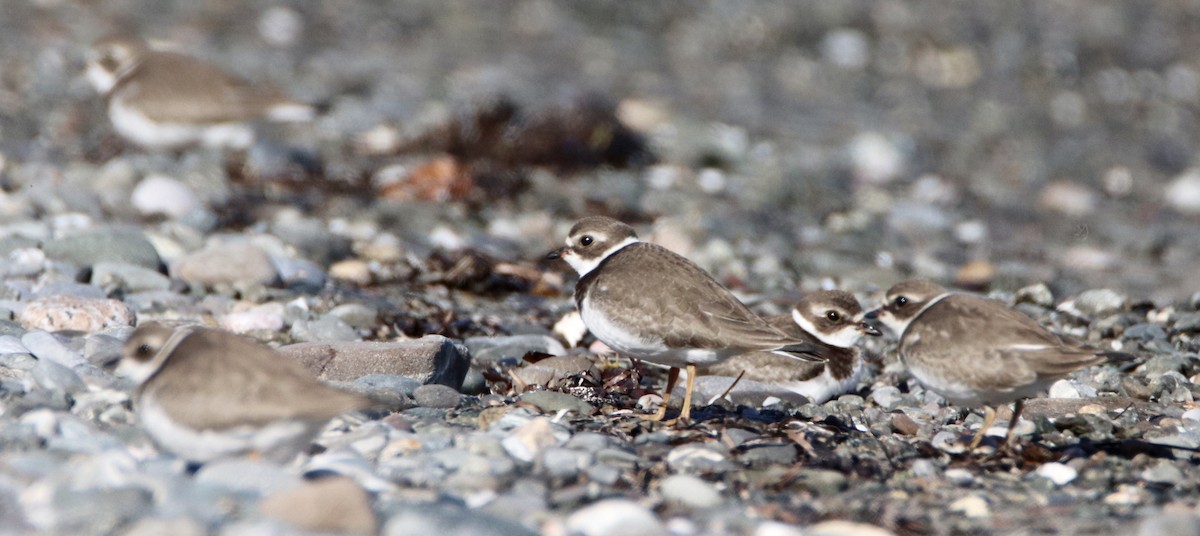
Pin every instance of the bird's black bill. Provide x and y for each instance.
(872, 314)
(555, 255)
(868, 329)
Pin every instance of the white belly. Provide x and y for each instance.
(134, 126)
(653, 350)
(821, 388)
(278, 441)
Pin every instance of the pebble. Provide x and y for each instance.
(1183, 193)
(491, 349)
(552, 402)
(125, 246)
(159, 194)
(614, 517)
(1163, 472)
(1071, 389)
(443, 518)
(430, 359)
(327, 328)
(563, 463)
(436, 396)
(232, 263)
(845, 528)
(1099, 302)
(64, 312)
(128, 277)
(336, 505)
(1038, 294)
(524, 443)
(265, 317)
(698, 458)
(245, 475)
(1058, 473)
(972, 506)
(886, 396)
(689, 491)
(49, 347)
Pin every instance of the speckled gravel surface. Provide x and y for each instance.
(1042, 153)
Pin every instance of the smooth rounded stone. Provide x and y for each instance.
(262, 317)
(12, 345)
(232, 263)
(526, 441)
(474, 383)
(592, 441)
(159, 194)
(1163, 472)
(94, 511)
(69, 288)
(1187, 323)
(1173, 522)
(1183, 193)
(552, 370)
(245, 475)
(689, 491)
(401, 385)
(553, 401)
(128, 277)
(22, 362)
(1058, 473)
(886, 396)
(334, 505)
(971, 506)
(746, 392)
(1099, 302)
(50, 347)
(563, 463)
(1038, 294)
(442, 518)
(775, 528)
(327, 328)
(1145, 332)
(430, 359)
(71, 313)
(615, 517)
(312, 237)
(1071, 389)
(126, 246)
(490, 349)
(158, 526)
(767, 454)
(698, 458)
(23, 262)
(356, 315)
(603, 474)
(436, 396)
(299, 274)
(55, 377)
(1161, 364)
(822, 482)
(845, 528)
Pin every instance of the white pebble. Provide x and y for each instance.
(613, 517)
(159, 194)
(1059, 474)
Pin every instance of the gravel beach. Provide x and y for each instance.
(1042, 154)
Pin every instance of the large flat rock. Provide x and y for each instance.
(430, 359)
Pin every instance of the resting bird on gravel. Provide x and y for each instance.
(648, 303)
(206, 394)
(977, 352)
(167, 100)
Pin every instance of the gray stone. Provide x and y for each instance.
(356, 315)
(886, 396)
(1038, 294)
(12, 345)
(822, 482)
(97, 511)
(176, 526)
(689, 491)
(402, 385)
(55, 377)
(563, 463)
(49, 347)
(441, 518)
(554, 401)
(233, 263)
(69, 288)
(327, 328)
(614, 517)
(1145, 332)
(114, 245)
(1099, 302)
(767, 454)
(489, 349)
(1162, 364)
(1163, 472)
(698, 458)
(436, 396)
(430, 359)
(128, 277)
(1187, 323)
(299, 274)
(245, 475)
(475, 383)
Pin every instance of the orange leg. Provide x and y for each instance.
(672, 377)
(1017, 407)
(989, 417)
(686, 413)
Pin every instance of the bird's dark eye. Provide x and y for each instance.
(144, 351)
(901, 301)
(833, 316)
(586, 240)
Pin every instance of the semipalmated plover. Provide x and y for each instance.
(975, 351)
(166, 100)
(648, 303)
(830, 318)
(206, 394)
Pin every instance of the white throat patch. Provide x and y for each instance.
(898, 326)
(583, 266)
(844, 337)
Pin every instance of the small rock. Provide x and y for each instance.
(55, 377)
(327, 328)
(959, 476)
(1187, 323)
(529, 439)
(551, 402)
(1059, 474)
(50, 347)
(1099, 302)
(1183, 194)
(1068, 198)
(424, 519)
(491, 349)
(353, 271)
(113, 245)
(327, 505)
(232, 263)
(886, 396)
(1163, 472)
(822, 482)
(689, 491)
(563, 463)
(971, 506)
(904, 424)
(127, 277)
(264, 317)
(159, 194)
(614, 517)
(845, 528)
(156, 526)
(975, 274)
(697, 458)
(1038, 294)
(430, 359)
(65, 312)
(356, 315)
(436, 396)
(571, 328)
(245, 475)
(1071, 389)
